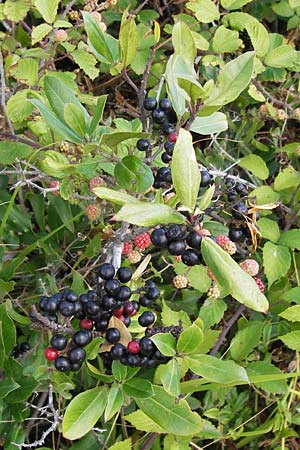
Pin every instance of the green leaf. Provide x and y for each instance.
(114, 402)
(256, 165)
(133, 174)
(265, 194)
(291, 340)
(122, 445)
(226, 40)
(269, 229)
(185, 171)
(170, 377)
(217, 370)
(10, 151)
(165, 342)
(215, 123)
(277, 261)
(83, 412)
(16, 10)
(205, 10)
(26, 71)
(287, 178)
(64, 211)
(47, 9)
(18, 108)
(141, 421)
(7, 334)
(148, 214)
(174, 418)
(232, 278)
(206, 198)
(98, 114)
(128, 41)
(190, 340)
(120, 198)
(199, 279)
(259, 37)
(74, 117)
(14, 315)
(234, 77)
(54, 164)
(170, 317)
(183, 42)
(234, 4)
(39, 32)
(176, 94)
(103, 45)
(86, 62)
(294, 3)
(245, 340)
(138, 388)
(292, 295)
(7, 385)
(292, 313)
(282, 56)
(264, 368)
(291, 238)
(212, 311)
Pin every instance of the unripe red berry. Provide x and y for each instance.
(118, 312)
(172, 137)
(55, 184)
(134, 257)
(127, 248)
(222, 240)
(260, 284)
(133, 347)
(250, 266)
(92, 212)
(51, 354)
(96, 182)
(86, 324)
(143, 240)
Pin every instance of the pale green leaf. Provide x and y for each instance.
(291, 238)
(199, 279)
(138, 388)
(120, 198)
(282, 56)
(183, 42)
(215, 123)
(206, 198)
(234, 4)
(256, 165)
(190, 339)
(259, 37)
(16, 10)
(86, 62)
(226, 40)
(141, 421)
(115, 400)
(122, 445)
(18, 107)
(276, 260)
(165, 342)
(292, 313)
(287, 178)
(148, 214)
(39, 32)
(257, 368)
(170, 317)
(291, 340)
(47, 9)
(269, 229)
(211, 312)
(264, 195)
(169, 377)
(26, 71)
(128, 41)
(205, 10)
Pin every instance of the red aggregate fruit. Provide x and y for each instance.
(143, 240)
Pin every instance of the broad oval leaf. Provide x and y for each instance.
(215, 123)
(148, 214)
(183, 42)
(134, 175)
(185, 171)
(190, 339)
(47, 9)
(170, 377)
(277, 261)
(103, 45)
(138, 388)
(235, 280)
(120, 198)
(165, 343)
(83, 412)
(256, 165)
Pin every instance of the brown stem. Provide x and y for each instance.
(149, 441)
(13, 137)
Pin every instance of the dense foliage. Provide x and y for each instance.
(149, 233)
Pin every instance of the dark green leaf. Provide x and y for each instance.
(98, 114)
(138, 388)
(134, 175)
(103, 45)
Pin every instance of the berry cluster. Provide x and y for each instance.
(20, 349)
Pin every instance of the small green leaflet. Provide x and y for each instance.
(120, 198)
(291, 340)
(292, 313)
(170, 377)
(165, 343)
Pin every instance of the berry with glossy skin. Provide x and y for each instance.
(83, 298)
(164, 174)
(145, 301)
(106, 271)
(124, 274)
(230, 247)
(71, 296)
(117, 351)
(112, 286)
(146, 318)
(118, 312)
(62, 364)
(51, 305)
(236, 234)
(127, 248)
(239, 210)
(147, 347)
(92, 212)
(143, 145)
(108, 302)
(166, 158)
(176, 247)
(150, 103)
(158, 115)
(101, 324)
(168, 128)
(82, 338)
(133, 347)
(92, 295)
(180, 282)
(66, 308)
(213, 292)
(172, 137)
(75, 366)
(190, 257)
(59, 341)
(134, 257)
(194, 239)
(51, 354)
(133, 360)
(123, 294)
(152, 293)
(250, 266)
(86, 324)
(241, 189)
(142, 241)
(165, 104)
(169, 147)
(175, 233)
(260, 284)
(76, 355)
(159, 237)
(131, 308)
(43, 303)
(113, 335)
(205, 178)
(92, 309)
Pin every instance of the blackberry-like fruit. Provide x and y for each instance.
(25, 347)
(169, 147)
(166, 158)
(145, 301)
(117, 351)
(112, 286)
(76, 355)
(75, 366)
(239, 210)
(124, 274)
(72, 296)
(175, 233)
(205, 178)
(150, 103)
(113, 335)
(146, 318)
(83, 298)
(147, 346)
(82, 338)
(123, 294)
(62, 364)
(101, 324)
(106, 271)
(165, 104)
(190, 257)
(92, 295)
(159, 237)
(108, 302)
(59, 341)
(194, 239)
(176, 247)
(143, 145)
(133, 360)
(66, 308)
(168, 128)
(236, 234)
(51, 305)
(158, 116)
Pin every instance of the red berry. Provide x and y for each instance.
(96, 182)
(86, 324)
(92, 212)
(260, 284)
(127, 248)
(173, 136)
(222, 240)
(133, 347)
(55, 184)
(250, 266)
(142, 240)
(51, 354)
(118, 312)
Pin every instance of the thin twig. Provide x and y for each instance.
(2, 93)
(148, 442)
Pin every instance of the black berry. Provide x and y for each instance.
(59, 341)
(106, 271)
(113, 335)
(117, 351)
(165, 104)
(194, 239)
(158, 115)
(166, 158)
(176, 247)
(66, 308)
(159, 237)
(239, 210)
(150, 103)
(190, 257)
(124, 294)
(169, 147)
(146, 318)
(124, 274)
(112, 286)
(82, 338)
(147, 346)
(205, 178)
(175, 232)
(236, 234)
(143, 144)
(62, 364)
(76, 355)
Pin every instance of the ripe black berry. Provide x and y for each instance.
(150, 103)
(92, 295)
(43, 303)
(158, 115)
(239, 210)
(126, 320)
(66, 308)
(59, 341)
(152, 293)
(77, 354)
(75, 366)
(241, 189)
(169, 147)
(112, 286)
(123, 294)
(147, 346)
(62, 364)
(72, 296)
(190, 257)
(159, 237)
(164, 174)
(145, 301)
(82, 338)
(236, 234)
(92, 309)
(113, 335)
(231, 196)
(51, 317)
(175, 233)
(52, 305)
(194, 239)
(106, 271)
(25, 347)
(83, 298)
(165, 104)
(205, 178)
(108, 302)
(176, 247)
(124, 274)
(117, 351)
(146, 318)
(102, 324)
(143, 145)
(166, 158)
(133, 360)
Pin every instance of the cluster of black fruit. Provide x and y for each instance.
(20, 349)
